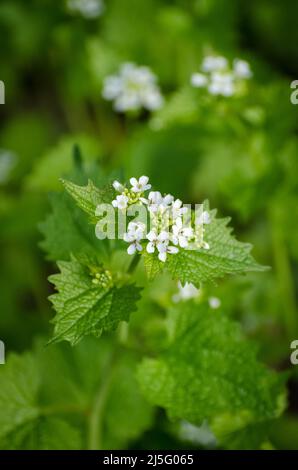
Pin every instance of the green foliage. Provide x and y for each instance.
(85, 308)
(238, 152)
(74, 235)
(71, 398)
(208, 372)
(88, 197)
(225, 256)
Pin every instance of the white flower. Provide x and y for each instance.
(135, 233)
(164, 248)
(154, 201)
(186, 292)
(222, 84)
(214, 63)
(181, 235)
(132, 89)
(242, 69)
(204, 218)
(141, 185)
(152, 100)
(118, 186)
(205, 245)
(201, 435)
(112, 87)
(88, 8)
(155, 239)
(214, 302)
(120, 202)
(177, 209)
(199, 80)
(167, 200)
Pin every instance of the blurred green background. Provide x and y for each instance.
(240, 153)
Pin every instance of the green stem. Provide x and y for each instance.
(285, 280)
(134, 263)
(96, 415)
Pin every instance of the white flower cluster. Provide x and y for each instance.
(168, 230)
(219, 78)
(132, 89)
(87, 8)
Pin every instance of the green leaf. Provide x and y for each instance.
(209, 372)
(96, 382)
(22, 422)
(19, 383)
(51, 398)
(152, 265)
(88, 197)
(45, 433)
(225, 256)
(67, 231)
(85, 308)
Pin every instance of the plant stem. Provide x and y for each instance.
(134, 263)
(95, 423)
(285, 280)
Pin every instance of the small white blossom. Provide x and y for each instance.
(164, 249)
(177, 209)
(118, 186)
(214, 302)
(186, 292)
(87, 8)
(141, 185)
(181, 235)
(167, 200)
(135, 233)
(155, 239)
(120, 202)
(132, 89)
(221, 84)
(197, 435)
(154, 201)
(198, 80)
(242, 69)
(214, 63)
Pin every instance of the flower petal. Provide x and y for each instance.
(173, 250)
(133, 181)
(162, 257)
(150, 247)
(131, 249)
(143, 180)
